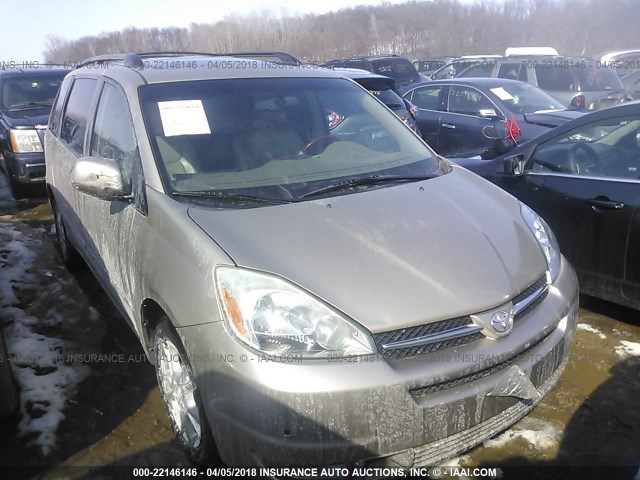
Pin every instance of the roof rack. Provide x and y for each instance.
(134, 60)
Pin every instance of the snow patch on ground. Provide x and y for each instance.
(45, 380)
(588, 328)
(628, 348)
(538, 433)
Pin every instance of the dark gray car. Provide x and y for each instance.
(307, 298)
(462, 117)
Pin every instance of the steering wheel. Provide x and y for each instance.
(320, 138)
(584, 160)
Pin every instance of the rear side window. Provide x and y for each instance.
(399, 68)
(76, 115)
(483, 69)
(56, 113)
(113, 135)
(513, 71)
(427, 98)
(555, 79)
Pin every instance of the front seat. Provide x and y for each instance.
(177, 155)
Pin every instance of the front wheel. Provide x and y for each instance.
(181, 396)
(69, 254)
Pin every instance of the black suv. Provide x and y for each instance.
(26, 96)
(394, 66)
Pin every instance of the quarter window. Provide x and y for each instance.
(76, 115)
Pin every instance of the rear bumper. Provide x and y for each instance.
(373, 411)
(25, 168)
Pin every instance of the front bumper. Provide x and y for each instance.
(25, 168)
(287, 411)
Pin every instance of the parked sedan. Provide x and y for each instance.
(455, 115)
(583, 178)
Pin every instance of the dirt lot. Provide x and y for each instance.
(101, 405)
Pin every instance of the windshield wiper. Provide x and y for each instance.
(365, 181)
(29, 106)
(217, 194)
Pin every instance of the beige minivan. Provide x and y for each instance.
(314, 285)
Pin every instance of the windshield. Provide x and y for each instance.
(525, 98)
(276, 137)
(24, 90)
(595, 79)
(390, 98)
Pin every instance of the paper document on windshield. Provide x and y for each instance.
(501, 93)
(183, 117)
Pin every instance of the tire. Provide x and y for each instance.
(68, 253)
(183, 404)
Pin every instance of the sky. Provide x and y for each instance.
(23, 33)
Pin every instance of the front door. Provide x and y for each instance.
(585, 184)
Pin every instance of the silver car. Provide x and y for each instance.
(308, 298)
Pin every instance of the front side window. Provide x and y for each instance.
(76, 114)
(113, 134)
(607, 148)
(276, 137)
(467, 101)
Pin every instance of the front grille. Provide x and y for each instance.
(530, 290)
(407, 352)
(453, 332)
(419, 331)
(531, 306)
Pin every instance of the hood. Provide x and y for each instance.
(392, 257)
(27, 118)
(551, 118)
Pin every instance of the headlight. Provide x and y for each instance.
(25, 141)
(546, 239)
(276, 317)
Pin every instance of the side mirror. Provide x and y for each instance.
(99, 177)
(514, 165)
(488, 113)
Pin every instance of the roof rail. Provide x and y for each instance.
(131, 60)
(134, 60)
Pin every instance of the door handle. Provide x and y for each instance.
(448, 125)
(604, 202)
